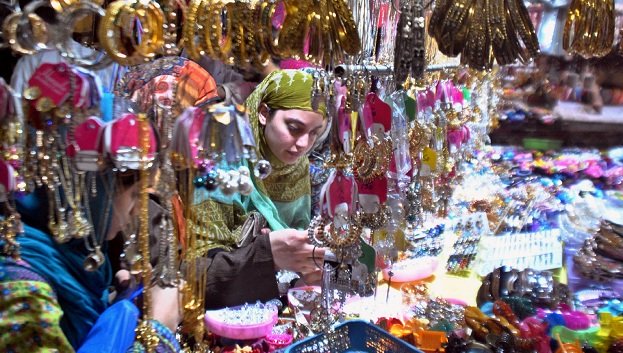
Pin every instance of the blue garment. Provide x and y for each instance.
(114, 329)
(82, 295)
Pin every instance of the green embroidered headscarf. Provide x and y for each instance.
(288, 186)
(284, 197)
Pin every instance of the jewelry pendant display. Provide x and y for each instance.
(415, 211)
(10, 221)
(130, 252)
(371, 158)
(60, 231)
(79, 227)
(378, 220)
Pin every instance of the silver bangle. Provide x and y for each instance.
(97, 60)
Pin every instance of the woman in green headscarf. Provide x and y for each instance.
(287, 120)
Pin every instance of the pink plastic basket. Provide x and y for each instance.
(216, 323)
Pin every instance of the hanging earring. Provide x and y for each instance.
(377, 220)
(10, 228)
(415, 211)
(130, 253)
(10, 224)
(93, 241)
(94, 260)
(262, 169)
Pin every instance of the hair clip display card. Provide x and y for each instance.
(539, 251)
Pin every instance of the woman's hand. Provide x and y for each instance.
(292, 251)
(166, 306)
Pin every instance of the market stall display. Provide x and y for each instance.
(354, 203)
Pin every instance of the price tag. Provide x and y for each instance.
(410, 107)
(53, 81)
(429, 161)
(377, 116)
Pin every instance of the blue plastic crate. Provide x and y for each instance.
(355, 336)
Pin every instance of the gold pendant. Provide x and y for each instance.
(32, 93)
(44, 105)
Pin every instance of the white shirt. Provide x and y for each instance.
(27, 65)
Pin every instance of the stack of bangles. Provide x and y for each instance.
(241, 34)
(25, 31)
(116, 27)
(484, 30)
(130, 32)
(589, 28)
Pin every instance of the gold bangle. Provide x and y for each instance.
(159, 22)
(244, 47)
(435, 24)
(313, 35)
(268, 42)
(477, 51)
(291, 34)
(592, 24)
(110, 36)
(513, 42)
(69, 17)
(118, 17)
(156, 43)
(9, 29)
(454, 28)
(348, 35)
(189, 29)
(245, 18)
(522, 23)
(203, 30)
(497, 32)
(172, 42)
(222, 46)
(151, 19)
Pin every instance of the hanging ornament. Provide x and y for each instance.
(262, 169)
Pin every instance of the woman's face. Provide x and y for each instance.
(290, 134)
